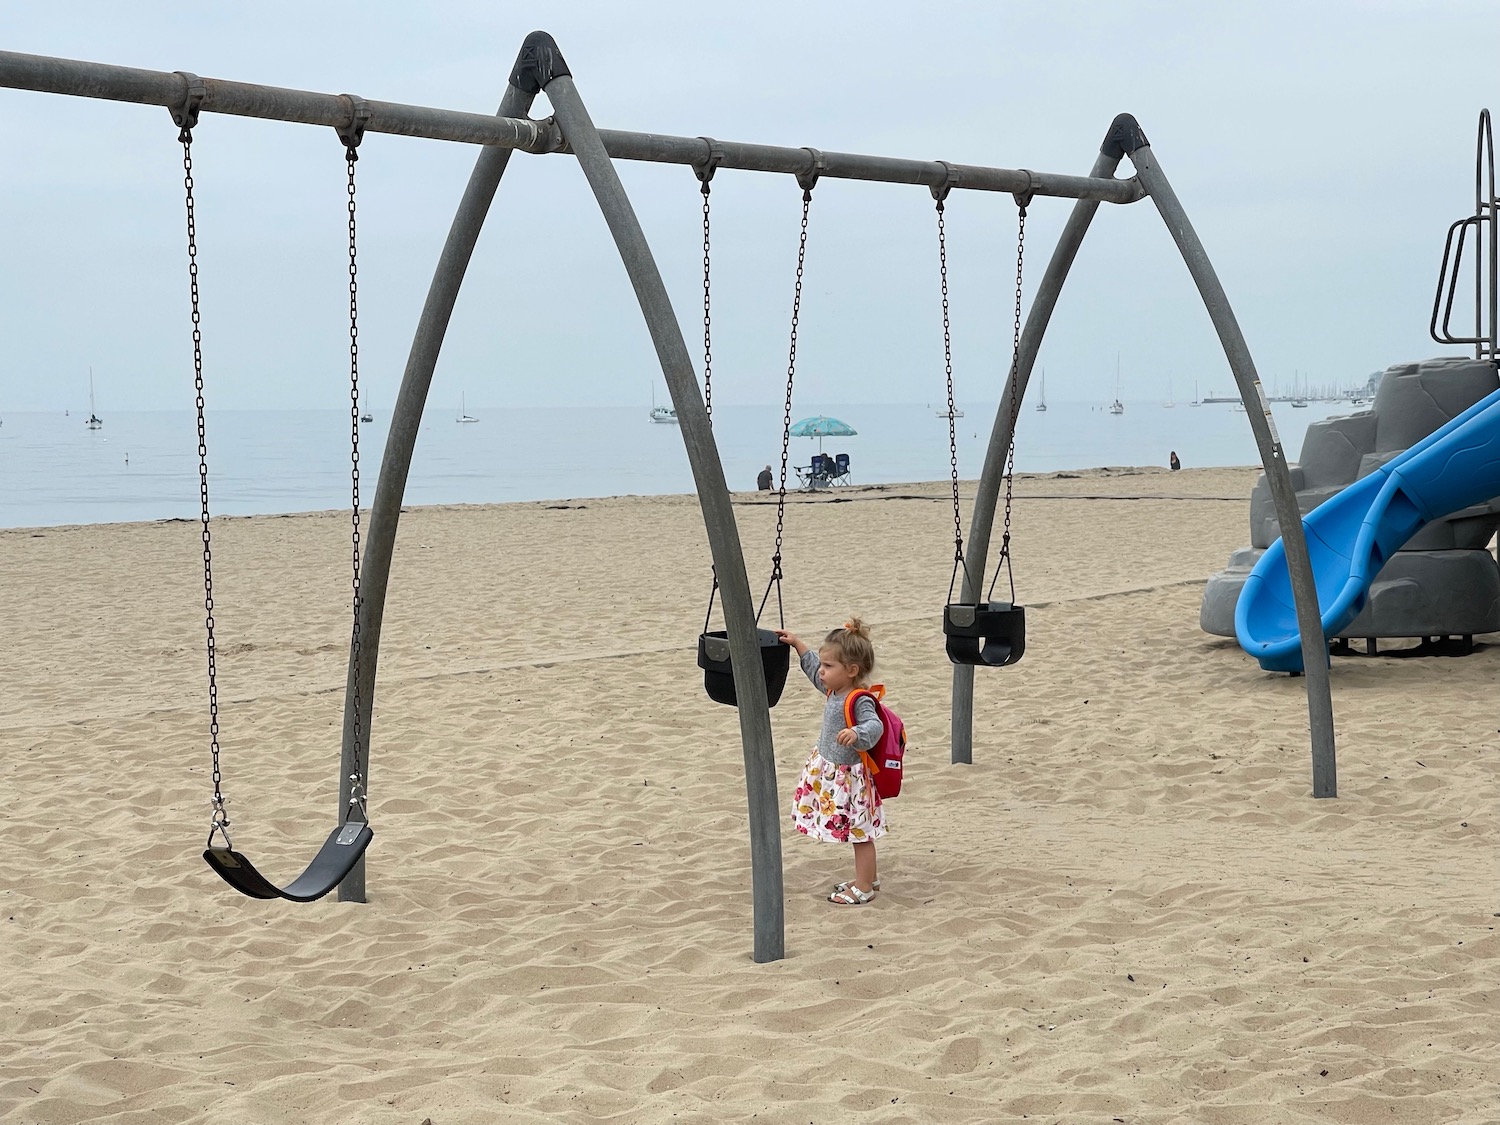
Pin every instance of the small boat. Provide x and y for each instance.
(1298, 400)
(94, 422)
(665, 415)
(1117, 407)
(1197, 401)
(1041, 402)
(464, 415)
(1169, 404)
(954, 413)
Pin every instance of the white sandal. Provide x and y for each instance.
(844, 886)
(851, 896)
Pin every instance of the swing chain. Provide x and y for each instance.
(791, 375)
(219, 819)
(1015, 405)
(351, 138)
(958, 526)
(705, 173)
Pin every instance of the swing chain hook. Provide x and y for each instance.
(185, 116)
(353, 131)
(218, 825)
(809, 179)
(1023, 198)
(951, 179)
(704, 169)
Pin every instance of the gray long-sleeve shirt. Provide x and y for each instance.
(867, 726)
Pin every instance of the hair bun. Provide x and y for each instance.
(857, 627)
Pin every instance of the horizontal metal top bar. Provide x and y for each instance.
(273, 103)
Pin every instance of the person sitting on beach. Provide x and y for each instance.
(1176, 464)
(763, 482)
(835, 799)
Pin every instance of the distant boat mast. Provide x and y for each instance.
(94, 421)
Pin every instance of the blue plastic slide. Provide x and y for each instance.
(1352, 534)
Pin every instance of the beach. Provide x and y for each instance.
(1128, 909)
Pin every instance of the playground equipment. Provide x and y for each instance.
(1429, 453)
(540, 68)
(352, 835)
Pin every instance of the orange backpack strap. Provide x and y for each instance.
(874, 691)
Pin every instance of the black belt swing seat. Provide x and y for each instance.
(986, 633)
(335, 859)
(348, 841)
(713, 644)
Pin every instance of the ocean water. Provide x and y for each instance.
(144, 465)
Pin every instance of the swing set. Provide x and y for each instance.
(743, 664)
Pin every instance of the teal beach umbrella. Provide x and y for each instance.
(822, 426)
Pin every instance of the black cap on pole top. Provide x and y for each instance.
(538, 63)
(1124, 137)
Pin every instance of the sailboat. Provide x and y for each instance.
(1297, 400)
(1169, 403)
(1041, 402)
(464, 415)
(366, 416)
(1117, 407)
(94, 422)
(1197, 399)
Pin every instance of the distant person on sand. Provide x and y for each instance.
(763, 482)
(1176, 464)
(835, 800)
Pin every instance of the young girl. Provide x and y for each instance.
(835, 799)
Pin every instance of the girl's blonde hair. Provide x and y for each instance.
(852, 644)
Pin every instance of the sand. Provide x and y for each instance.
(1129, 909)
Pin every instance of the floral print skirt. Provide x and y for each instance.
(837, 804)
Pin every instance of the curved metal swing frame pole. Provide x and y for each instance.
(1126, 139)
(713, 497)
(992, 475)
(540, 67)
(406, 420)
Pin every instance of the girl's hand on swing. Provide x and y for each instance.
(846, 737)
(787, 637)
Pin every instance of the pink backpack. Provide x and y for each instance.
(883, 760)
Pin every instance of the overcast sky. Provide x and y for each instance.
(1321, 149)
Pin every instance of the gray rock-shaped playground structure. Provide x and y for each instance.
(1444, 581)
